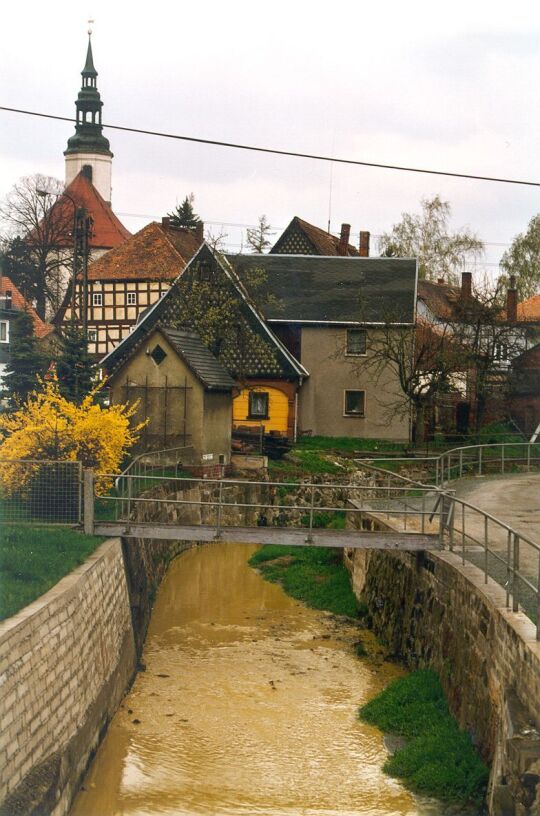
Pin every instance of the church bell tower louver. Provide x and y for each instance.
(88, 149)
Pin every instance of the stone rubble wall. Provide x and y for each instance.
(433, 612)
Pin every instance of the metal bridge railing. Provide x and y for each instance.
(284, 504)
(469, 460)
(167, 462)
(506, 555)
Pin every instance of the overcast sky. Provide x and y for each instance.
(446, 86)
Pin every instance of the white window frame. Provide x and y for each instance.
(131, 295)
(97, 299)
(355, 353)
(352, 413)
(6, 324)
(92, 335)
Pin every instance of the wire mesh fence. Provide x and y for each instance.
(40, 491)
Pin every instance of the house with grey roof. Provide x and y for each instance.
(295, 336)
(330, 312)
(183, 393)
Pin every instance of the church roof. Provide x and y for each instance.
(20, 304)
(307, 239)
(154, 253)
(107, 231)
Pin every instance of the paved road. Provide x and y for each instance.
(514, 500)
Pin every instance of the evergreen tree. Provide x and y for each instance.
(74, 366)
(184, 215)
(26, 361)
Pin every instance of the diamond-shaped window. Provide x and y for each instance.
(157, 354)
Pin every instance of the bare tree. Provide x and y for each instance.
(258, 237)
(465, 353)
(440, 253)
(38, 228)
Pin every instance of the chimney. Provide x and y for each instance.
(343, 246)
(364, 244)
(199, 231)
(165, 222)
(466, 286)
(511, 301)
(8, 299)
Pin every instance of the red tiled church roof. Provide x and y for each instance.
(107, 231)
(20, 304)
(154, 253)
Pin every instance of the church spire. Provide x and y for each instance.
(88, 147)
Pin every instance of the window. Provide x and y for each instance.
(4, 331)
(132, 298)
(97, 299)
(356, 341)
(158, 355)
(354, 403)
(92, 335)
(258, 405)
(205, 271)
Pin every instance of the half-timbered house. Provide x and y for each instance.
(129, 279)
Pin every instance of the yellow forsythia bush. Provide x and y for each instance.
(48, 426)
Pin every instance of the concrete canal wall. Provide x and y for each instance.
(66, 662)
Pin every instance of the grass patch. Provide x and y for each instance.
(34, 557)
(439, 759)
(346, 444)
(314, 575)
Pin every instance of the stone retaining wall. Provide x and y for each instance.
(432, 611)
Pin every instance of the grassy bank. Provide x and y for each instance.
(438, 759)
(34, 557)
(314, 575)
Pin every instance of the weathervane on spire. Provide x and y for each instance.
(90, 24)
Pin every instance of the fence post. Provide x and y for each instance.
(502, 457)
(309, 537)
(218, 526)
(480, 461)
(463, 534)
(508, 560)
(515, 570)
(129, 495)
(529, 457)
(538, 602)
(460, 463)
(486, 564)
(88, 495)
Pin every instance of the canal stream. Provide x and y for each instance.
(247, 707)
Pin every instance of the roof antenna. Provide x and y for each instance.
(331, 180)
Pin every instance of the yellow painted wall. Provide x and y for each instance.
(278, 410)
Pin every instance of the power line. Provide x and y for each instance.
(275, 152)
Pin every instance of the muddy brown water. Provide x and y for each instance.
(248, 707)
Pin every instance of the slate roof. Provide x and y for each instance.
(20, 304)
(107, 230)
(202, 362)
(315, 289)
(154, 253)
(323, 243)
(267, 356)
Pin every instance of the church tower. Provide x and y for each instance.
(88, 149)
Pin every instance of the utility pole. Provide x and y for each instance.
(83, 231)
